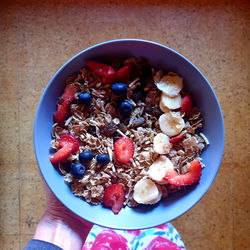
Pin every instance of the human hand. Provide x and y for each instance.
(60, 226)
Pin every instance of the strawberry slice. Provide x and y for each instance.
(123, 74)
(114, 196)
(193, 175)
(176, 138)
(69, 93)
(61, 154)
(62, 109)
(68, 144)
(186, 104)
(66, 139)
(61, 112)
(101, 70)
(124, 149)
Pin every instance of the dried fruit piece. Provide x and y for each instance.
(108, 129)
(92, 130)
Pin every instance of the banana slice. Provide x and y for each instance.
(170, 102)
(162, 144)
(163, 108)
(159, 168)
(171, 84)
(171, 123)
(146, 192)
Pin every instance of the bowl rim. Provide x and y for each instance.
(35, 137)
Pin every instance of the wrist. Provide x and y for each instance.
(65, 232)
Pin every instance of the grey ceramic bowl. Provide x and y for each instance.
(204, 97)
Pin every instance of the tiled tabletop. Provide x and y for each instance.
(37, 37)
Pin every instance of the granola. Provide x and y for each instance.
(97, 125)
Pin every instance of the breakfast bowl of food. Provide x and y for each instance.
(129, 134)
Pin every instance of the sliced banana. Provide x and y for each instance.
(159, 168)
(162, 144)
(163, 108)
(171, 84)
(171, 123)
(170, 102)
(146, 192)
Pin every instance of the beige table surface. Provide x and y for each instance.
(37, 37)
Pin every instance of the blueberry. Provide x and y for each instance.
(102, 159)
(77, 170)
(86, 156)
(84, 98)
(125, 108)
(119, 89)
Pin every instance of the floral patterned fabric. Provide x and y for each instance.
(163, 237)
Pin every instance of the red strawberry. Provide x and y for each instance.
(122, 75)
(62, 109)
(114, 196)
(193, 175)
(61, 154)
(176, 138)
(66, 139)
(101, 70)
(68, 144)
(124, 149)
(69, 93)
(61, 112)
(186, 104)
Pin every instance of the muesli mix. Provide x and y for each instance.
(126, 134)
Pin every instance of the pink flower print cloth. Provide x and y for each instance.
(163, 237)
